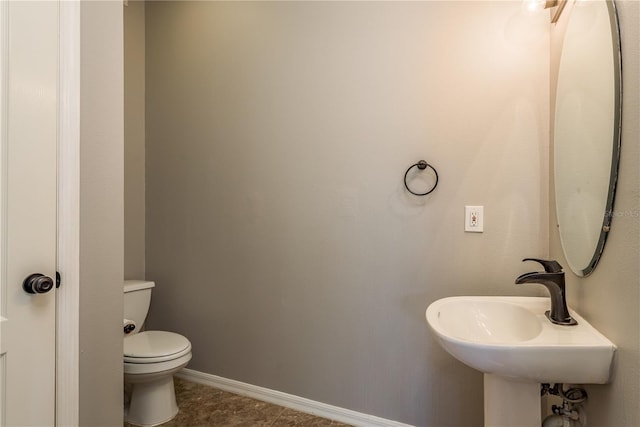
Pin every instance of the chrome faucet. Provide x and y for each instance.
(553, 279)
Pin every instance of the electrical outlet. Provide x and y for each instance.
(474, 219)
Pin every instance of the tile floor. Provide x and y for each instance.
(203, 406)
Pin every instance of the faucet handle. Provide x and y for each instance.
(550, 266)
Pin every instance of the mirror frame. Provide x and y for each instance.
(615, 156)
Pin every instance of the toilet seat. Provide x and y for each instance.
(132, 370)
(155, 347)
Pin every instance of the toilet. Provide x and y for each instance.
(150, 360)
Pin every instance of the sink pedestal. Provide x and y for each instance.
(509, 403)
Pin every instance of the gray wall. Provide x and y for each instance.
(282, 241)
(134, 136)
(609, 297)
(101, 214)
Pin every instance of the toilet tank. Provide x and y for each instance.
(137, 297)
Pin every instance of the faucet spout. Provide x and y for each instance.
(554, 282)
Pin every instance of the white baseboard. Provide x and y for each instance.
(301, 404)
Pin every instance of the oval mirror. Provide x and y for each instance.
(587, 132)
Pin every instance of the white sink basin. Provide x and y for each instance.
(511, 337)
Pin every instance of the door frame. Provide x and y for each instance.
(68, 295)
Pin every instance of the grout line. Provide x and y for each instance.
(278, 417)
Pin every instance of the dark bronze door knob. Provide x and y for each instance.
(37, 284)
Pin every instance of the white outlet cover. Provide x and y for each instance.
(474, 219)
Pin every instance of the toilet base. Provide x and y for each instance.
(152, 403)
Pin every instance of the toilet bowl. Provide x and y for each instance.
(150, 360)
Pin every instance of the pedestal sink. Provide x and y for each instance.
(513, 343)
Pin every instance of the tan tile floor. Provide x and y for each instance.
(202, 406)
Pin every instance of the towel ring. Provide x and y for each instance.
(422, 165)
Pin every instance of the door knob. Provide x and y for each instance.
(37, 284)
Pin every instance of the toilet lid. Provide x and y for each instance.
(155, 346)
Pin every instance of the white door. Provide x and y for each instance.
(28, 143)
